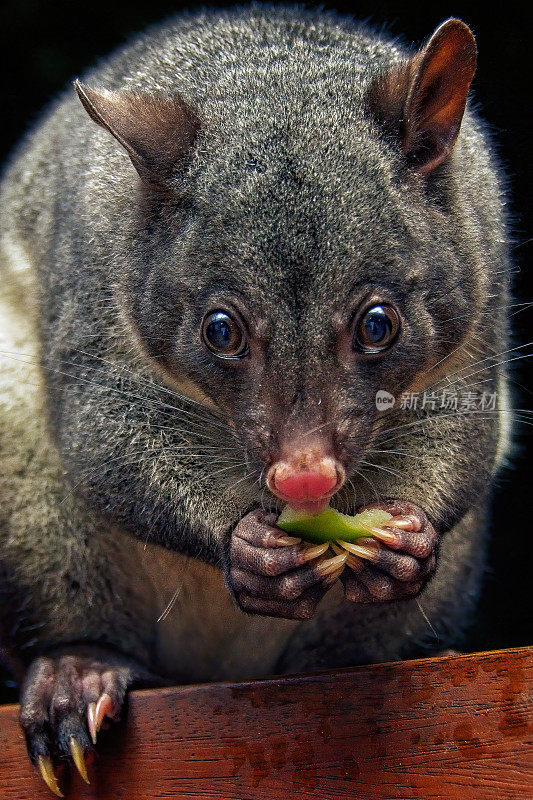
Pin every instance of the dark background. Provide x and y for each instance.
(45, 44)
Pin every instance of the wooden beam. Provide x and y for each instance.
(453, 728)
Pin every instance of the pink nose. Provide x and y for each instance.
(305, 485)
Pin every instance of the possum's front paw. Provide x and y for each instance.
(276, 575)
(399, 563)
(66, 698)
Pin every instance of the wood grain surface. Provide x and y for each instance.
(452, 728)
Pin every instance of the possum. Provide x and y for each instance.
(219, 249)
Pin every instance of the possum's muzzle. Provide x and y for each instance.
(306, 478)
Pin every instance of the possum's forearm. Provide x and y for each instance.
(63, 576)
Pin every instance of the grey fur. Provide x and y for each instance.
(294, 204)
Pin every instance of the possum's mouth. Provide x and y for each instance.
(308, 506)
(306, 480)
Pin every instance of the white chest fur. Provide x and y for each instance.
(204, 636)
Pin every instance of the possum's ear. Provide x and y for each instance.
(422, 101)
(156, 131)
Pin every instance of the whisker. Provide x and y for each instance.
(516, 416)
(160, 405)
(435, 634)
(162, 617)
(241, 480)
(147, 381)
(378, 466)
(318, 428)
(481, 361)
(361, 475)
(395, 452)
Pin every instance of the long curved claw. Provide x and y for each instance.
(359, 550)
(47, 774)
(105, 707)
(405, 523)
(91, 721)
(315, 550)
(76, 751)
(331, 564)
(387, 537)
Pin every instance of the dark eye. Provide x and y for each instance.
(376, 329)
(223, 335)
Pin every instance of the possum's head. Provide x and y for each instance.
(302, 252)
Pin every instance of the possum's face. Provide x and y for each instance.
(289, 312)
(314, 262)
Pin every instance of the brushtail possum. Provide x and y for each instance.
(254, 224)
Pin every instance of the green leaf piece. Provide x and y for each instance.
(330, 525)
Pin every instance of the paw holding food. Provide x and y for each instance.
(278, 575)
(390, 547)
